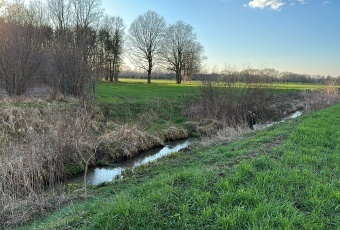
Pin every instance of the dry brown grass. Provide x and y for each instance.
(216, 131)
(319, 99)
(127, 140)
(175, 133)
(225, 135)
(38, 149)
(43, 142)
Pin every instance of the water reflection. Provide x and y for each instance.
(98, 175)
(266, 125)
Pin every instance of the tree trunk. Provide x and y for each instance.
(111, 75)
(149, 76)
(178, 77)
(115, 69)
(115, 77)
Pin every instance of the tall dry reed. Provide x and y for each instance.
(39, 148)
(322, 98)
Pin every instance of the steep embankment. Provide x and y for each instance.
(285, 177)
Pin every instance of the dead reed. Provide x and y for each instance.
(322, 98)
(39, 149)
(127, 140)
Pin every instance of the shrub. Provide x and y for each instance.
(233, 103)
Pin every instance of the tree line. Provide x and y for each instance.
(69, 44)
(264, 75)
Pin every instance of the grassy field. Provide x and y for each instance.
(285, 177)
(126, 100)
(155, 107)
(139, 90)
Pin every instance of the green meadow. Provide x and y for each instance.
(132, 90)
(283, 177)
(139, 90)
(155, 106)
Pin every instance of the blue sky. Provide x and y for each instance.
(301, 36)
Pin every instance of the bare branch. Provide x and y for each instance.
(146, 35)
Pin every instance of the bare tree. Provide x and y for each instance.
(86, 17)
(22, 49)
(192, 59)
(180, 51)
(111, 37)
(61, 54)
(86, 12)
(59, 11)
(74, 54)
(146, 35)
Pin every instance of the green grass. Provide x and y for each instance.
(298, 86)
(284, 177)
(138, 90)
(155, 106)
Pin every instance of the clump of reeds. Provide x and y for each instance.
(321, 98)
(39, 147)
(224, 133)
(175, 133)
(127, 140)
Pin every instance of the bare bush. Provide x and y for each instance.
(233, 103)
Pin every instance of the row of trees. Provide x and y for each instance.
(69, 44)
(264, 75)
(175, 46)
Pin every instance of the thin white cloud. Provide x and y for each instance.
(278, 4)
(274, 4)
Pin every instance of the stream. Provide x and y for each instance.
(101, 174)
(98, 175)
(261, 126)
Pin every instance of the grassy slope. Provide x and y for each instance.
(155, 106)
(285, 177)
